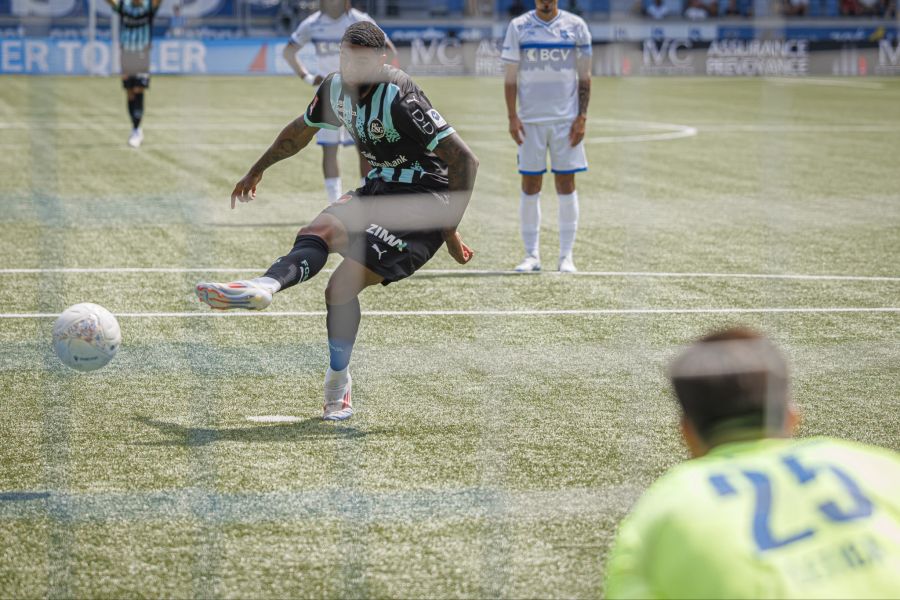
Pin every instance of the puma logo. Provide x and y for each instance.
(379, 251)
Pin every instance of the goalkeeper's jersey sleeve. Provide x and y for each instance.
(766, 519)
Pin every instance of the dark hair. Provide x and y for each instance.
(365, 34)
(732, 379)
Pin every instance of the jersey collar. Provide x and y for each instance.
(743, 446)
(540, 21)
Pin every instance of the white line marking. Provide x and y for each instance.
(669, 131)
(867, 85)
(274, 419)
(464, 272)
(486, 313)
(795, 128)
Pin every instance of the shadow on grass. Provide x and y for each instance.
(310, 429)
(22, 496)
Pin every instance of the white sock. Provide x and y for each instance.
(267, 283)
(530, 215)
(568, 222)
(362, 181)
(336, 379)
(332, 189)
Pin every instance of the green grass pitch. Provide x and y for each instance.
(492, 454)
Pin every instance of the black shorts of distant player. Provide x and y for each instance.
(135, 68)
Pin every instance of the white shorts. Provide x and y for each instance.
(333, 137)
(563, 157)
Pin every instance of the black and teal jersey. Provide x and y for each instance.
(394, 126)
(136, 31)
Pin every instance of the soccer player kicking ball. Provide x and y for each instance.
(411, 204)
(548, 69)
(756, 514)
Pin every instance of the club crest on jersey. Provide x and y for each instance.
(376, 130)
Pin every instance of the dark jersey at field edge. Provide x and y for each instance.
(394, 126)
(136, 32)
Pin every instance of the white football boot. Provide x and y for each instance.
(338, 401)
(235, 294)
(567, 265)
(531, 263)
(136, 137)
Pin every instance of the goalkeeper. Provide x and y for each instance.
(756, 514)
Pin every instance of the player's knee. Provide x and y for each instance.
(326, 231)
(531, 184)
(565, 184)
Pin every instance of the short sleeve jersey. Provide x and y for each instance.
(325, 34)
(547, 55)
(394, 126)
(136, 32)
(766, 519)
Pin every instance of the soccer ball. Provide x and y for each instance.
(86, 336)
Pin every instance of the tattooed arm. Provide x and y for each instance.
(576, 134)
(289, 142)
(462, 166)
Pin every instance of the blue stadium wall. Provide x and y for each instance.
(235, 37)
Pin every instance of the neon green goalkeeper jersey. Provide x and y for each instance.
(771, 518)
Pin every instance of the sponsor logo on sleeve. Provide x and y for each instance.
(424, 125)
(437, 118)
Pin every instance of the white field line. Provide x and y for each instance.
(491, 313)
(465, 272)
(866, 85)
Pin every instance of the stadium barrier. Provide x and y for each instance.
(619, 50)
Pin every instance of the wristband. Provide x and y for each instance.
(310, 79)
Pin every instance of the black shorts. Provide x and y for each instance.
(135, 69)
(393, 228)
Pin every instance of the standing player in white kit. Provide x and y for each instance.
(324, 30)
(548, 70)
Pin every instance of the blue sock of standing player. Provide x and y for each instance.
(343, 323)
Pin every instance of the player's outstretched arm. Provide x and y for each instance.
(576, 133)
(289, 142)
(462, 166)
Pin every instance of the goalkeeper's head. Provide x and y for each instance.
(732, 385)
(362, 54)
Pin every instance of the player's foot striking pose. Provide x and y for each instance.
(548, 69)
(410, 205)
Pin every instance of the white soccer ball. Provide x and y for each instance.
(86, 336)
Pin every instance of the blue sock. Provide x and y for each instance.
(343, 323)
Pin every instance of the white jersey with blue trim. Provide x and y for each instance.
(547, 54)
(325, 34)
